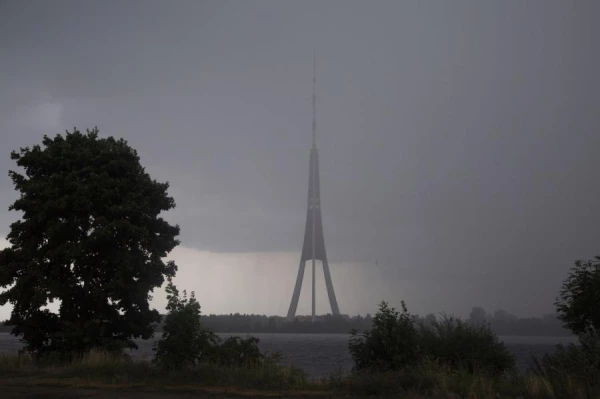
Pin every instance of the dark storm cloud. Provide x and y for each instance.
(457, 139)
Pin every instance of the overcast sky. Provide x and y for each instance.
(458, 139)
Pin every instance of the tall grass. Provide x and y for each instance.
(427, 379)
(573, 371)
(432, 380)
(97, 367)
(11, 364)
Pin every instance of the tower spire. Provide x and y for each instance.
(314, 102)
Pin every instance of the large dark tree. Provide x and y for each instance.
(578, 304)
(91, 238)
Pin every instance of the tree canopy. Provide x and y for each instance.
(90, 237)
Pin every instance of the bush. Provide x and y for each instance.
(396, 342)
(391, 343)
(235, 351)
(458, 344)
(184, 342)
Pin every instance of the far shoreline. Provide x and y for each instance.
(569, 338)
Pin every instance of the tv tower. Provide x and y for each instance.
(313, 247)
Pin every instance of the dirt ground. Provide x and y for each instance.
(53, 392)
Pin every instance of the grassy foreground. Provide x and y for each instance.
(98, 369)
(105, 369)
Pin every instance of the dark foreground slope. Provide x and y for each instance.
(11, 390)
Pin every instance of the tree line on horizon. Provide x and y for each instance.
(501, 322)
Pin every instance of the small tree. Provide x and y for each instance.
(90, 237)
(391, 343)
(578, 304)
(184, 342)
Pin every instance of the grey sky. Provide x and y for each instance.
(458, 139)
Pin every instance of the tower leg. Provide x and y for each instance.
(314, 303)
(335, 310)
(297, 288)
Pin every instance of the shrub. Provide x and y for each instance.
(396, 341)
(391, 343)
(235, 351)
(184, 342)
(461, 345)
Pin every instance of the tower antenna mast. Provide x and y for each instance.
(314, 102)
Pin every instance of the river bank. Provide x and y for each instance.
(102, 375)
